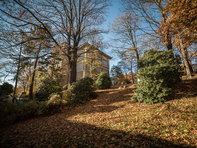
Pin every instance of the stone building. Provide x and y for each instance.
(91, 61)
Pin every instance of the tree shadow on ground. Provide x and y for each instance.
(59, 131)
(63, 133)
(185, 88)
(107, 101)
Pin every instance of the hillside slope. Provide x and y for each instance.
(114, 120)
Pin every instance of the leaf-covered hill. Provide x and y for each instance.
(114, 120)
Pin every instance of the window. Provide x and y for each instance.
(105, 63)
(104, 70)
(88, 67)
(79, 67)
(98, 69)
(81, 55)
(99, 59)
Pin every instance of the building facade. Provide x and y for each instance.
(91, 62)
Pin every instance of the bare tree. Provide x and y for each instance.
(72, 21)
(150, 14)
(24, 79)
(14, 57)
(192, 53)
(38, 49)
(126, 32)
(125, 67)
(151, 42)
(126, 42)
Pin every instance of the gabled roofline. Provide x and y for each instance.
(87, 44)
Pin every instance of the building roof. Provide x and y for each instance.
(128, 76)
(93, 47)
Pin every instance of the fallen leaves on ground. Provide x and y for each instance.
(113, 120)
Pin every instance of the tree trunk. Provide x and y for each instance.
(73, 65)
(19, 62)
(190, 65)
(24, 89)
(132, 73)
(185, 60)
(33, 76)
(169, 46)
(73, 74)
(191, 68)
(29, 78)
(137, 55)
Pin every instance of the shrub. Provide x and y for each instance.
(81, 91)
(103, 81)
(123, 79)
(48, 86)
(30, 109)
(10, 113)
(158, 71)
(54, 99)
(7, 113)
(6, 88)
(41, 96)
(55, 104)
(127, 81)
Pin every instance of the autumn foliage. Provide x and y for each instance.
(182, 23)
(113, 120)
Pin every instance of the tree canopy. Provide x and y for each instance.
(72, 23)
(6, 88)
(182, 23)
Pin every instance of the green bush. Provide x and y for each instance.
(158, 71)
(30, 109)
(55, 104)
(78, 92)
(7, 113)
(10, 113)
(48, 86)
(127, 81)
(41, 96)
(103, 81)
(81, 91)
(124, 80)
(6, 88)
(54, 99)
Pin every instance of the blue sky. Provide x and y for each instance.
(112, 12)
